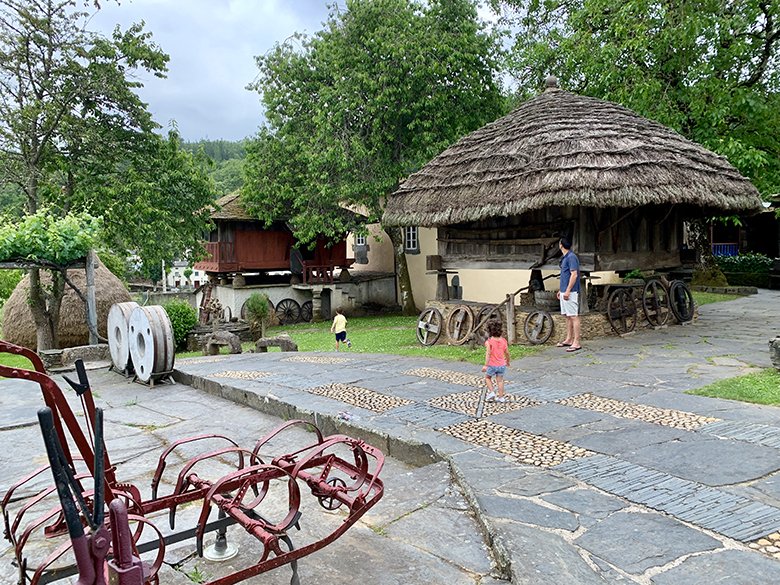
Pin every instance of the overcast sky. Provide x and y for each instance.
(212, 45)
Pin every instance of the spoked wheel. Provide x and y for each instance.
(485, 314)
(538, 327)
(460, 325)
(331, 502)
(655, 302)
(429, 326)
(681, 301)
(288, 311)
(621, 311)
(307, 311)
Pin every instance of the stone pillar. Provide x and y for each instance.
(316, 305)
(442, 289)
(774, 352)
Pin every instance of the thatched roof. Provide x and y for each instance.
(230, 207)
(18, 325)
(562, 149)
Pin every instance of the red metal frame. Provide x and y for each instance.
(318, 466)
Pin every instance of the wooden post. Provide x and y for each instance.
(511, 334)
(91, 304)
(442, 290)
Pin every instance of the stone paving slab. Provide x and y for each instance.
(590, 490)
(663, 540)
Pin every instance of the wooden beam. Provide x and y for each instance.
(503, 242)
(91, 304)
(28, 264)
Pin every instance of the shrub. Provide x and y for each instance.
(183, 318)
(8, 281)
(746, 269)
(709, 276)
(258, 311)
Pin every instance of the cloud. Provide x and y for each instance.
(212, 45)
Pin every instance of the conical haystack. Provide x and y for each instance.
(18, 325)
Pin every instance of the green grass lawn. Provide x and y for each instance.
(15, 361)
(705, 298)
(390, 334)
(760, 388)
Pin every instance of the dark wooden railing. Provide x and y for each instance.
(317, 274)
(221, 252)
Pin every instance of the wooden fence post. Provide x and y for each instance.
(91, 304)
(511, 334)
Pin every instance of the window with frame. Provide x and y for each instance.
(360, 240)
(411, 240)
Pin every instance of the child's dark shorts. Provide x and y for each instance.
(341, 336)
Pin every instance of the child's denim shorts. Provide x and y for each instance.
(495, 370)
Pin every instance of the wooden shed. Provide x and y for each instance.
(241, 243)
(618, 185)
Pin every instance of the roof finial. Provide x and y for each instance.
(550, 83)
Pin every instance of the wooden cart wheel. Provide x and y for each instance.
(621, 310)
(681, 301)
(288, 311)
(486, 313)
(307, 311)
(538, 327)
(655, 302)
(429, 326)
(460, 325)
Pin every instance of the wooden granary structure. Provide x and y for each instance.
(240, 243)
(618, 185)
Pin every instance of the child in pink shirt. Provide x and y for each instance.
(496, 361)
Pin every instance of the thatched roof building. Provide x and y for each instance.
(18, 325)
(556, 155)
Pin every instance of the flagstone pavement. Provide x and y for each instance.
(599, 469)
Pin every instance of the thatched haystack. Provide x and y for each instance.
(560, 149)
(18, 325)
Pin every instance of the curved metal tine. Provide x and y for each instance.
(284, 427)
(294, 580)
(51, 558)
(161, 463)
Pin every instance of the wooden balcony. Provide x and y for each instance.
(221, 257)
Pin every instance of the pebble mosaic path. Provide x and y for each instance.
(608, 426)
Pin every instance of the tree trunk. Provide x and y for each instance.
(45, 308)
(404, 281)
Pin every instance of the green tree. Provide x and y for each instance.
(707, 68)
(353, 110)
(75, 136)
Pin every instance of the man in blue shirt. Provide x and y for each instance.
(569, 296)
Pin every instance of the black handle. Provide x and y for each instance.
(53, 451)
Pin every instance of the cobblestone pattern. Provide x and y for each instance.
(725, 513)
(524, 447)
(315, 359)
(769, 545)
(241, 374)
(742, 431)
(468, 403)
(450, 376)
(361, 397)
(667, 417)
